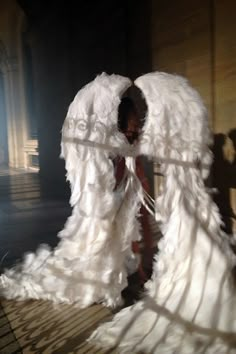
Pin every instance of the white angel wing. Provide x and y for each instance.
(176, 133)
(88, 265)
(190, 303)
(176, 127)
(90, 131)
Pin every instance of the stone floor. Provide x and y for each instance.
(28, 219)
(38, 327)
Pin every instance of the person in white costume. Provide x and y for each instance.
(88, 265)
(190, 302)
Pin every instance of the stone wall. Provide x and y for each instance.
(197, 39)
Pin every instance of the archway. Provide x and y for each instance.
(4, 159)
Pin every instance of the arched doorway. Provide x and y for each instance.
(17, 133)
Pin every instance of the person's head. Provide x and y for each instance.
(128, 121)
(219, 142)
(232, 136)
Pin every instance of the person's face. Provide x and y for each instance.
(132, 128)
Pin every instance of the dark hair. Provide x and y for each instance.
(125, 108)
(232, 134)
(219, 141)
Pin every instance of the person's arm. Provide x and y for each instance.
(119, 168)
(141, 175)
(147, 233)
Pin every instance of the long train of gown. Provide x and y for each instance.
(88, 265)
(190, 302)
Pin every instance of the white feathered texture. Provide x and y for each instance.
(88, 265)
(190, 302)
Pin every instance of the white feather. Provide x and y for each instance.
(88, 265)
(190, 304)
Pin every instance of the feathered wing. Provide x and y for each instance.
(87, 266)
(190, 302)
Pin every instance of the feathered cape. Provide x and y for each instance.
(88, 265)
(190, 302)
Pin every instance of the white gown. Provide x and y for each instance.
(190, 302)
(88, 265)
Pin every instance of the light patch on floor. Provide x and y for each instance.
(41, 327)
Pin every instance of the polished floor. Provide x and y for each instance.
(26, 218)
(38, 327)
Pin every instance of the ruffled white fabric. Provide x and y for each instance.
(190, 302)
(88, 265)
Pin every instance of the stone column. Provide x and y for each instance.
(15, 118)
(3, 124)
